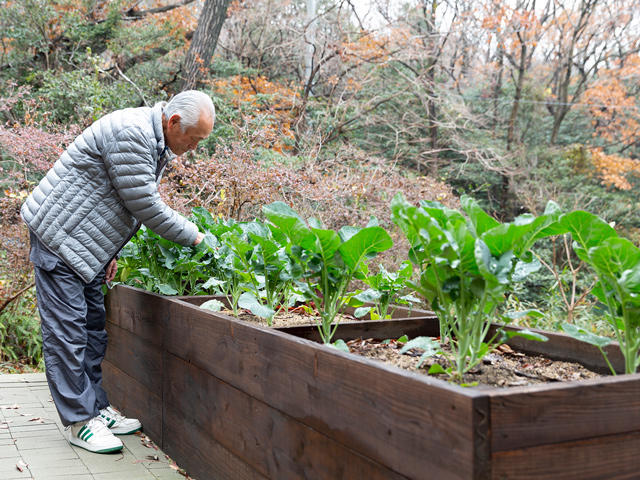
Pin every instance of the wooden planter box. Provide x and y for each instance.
(229, 400)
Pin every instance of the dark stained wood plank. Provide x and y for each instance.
(198, 453)
(481, 424)
(558, 347)
(613, 457)
(134, 400)
(401, 417)
(137, 311)
(271, 442)
(563, 347)
(136, 357)
(530, 416)
(379, 329)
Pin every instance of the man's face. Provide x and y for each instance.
(181, 142)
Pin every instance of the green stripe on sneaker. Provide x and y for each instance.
(112, 423)
(81, 431)
(86, 434)
(88, 437)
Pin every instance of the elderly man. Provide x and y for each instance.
(81, 214)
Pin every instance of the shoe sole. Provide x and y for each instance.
(86, 446)
(138, 429)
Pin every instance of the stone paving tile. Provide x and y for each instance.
(43, 444)
(169, 474)
(51, 455)
(31, 432)
(8, 469)
(118, 476)
(8, 451)
(64, 476)
(59, 467)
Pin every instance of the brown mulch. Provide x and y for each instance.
(292, 318)
(504, 367)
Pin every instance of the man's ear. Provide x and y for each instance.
(174, 120)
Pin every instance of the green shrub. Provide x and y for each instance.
(20, 338)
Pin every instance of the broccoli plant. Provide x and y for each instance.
(327, 260)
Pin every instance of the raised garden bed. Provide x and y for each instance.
(227, 399)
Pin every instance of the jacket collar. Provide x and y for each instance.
(156, 118)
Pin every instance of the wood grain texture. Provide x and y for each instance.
(136, 357)
(134, 400)
(268, 440)
(378, 329)
(529, 416)
(137, 311)
(614, 457)
(198, 453)
(400, 416)
(563, 347)
(293, 401)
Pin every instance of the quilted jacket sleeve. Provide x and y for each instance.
(131, 168)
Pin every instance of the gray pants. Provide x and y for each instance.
(74, 340)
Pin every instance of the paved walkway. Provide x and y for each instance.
(31, 440)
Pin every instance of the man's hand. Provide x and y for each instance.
(111, 271)
(199, 238)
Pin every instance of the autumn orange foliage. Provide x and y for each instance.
(616, 120)
(614, 169)
(269, 106)
(616, 116)
(367, 48)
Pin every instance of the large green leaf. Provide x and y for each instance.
(327, 243)
(347, 232)
(587, 230)
(524, 333)
(481, 220)
(285, 218)
(401, 211)
(583, 335)
(203, 215)
(492, 268)
(166, 289)
(369, 295)
(523, 269)
(250, 302)
(614, 256)
(212, 283)
(369, 240)
(213, 305)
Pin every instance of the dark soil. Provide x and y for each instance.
(504, 367)
(292, 318)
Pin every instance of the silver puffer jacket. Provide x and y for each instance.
(91, 202)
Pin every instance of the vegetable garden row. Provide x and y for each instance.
(248, 401)
(466, 267)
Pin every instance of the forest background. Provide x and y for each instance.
(334, 106)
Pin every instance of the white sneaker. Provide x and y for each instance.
(93, 435)
(118, 423)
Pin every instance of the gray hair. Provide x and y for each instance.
(190, 105)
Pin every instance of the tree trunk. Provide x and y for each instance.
(310, 40)
(432, 125)
(497, 87)
(205, 38)
(516, 100)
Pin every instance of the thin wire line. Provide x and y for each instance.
(542, 102)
